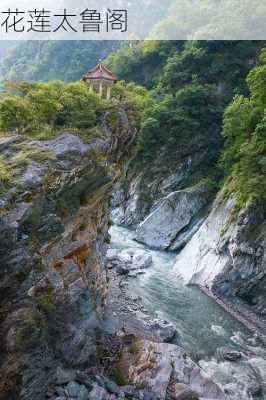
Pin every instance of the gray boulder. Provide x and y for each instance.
(98, 393)
(77, 391)
(65, 146)
(64, 375)
(130, 261)
(141, 260)
(159, 365)
(163, 329)
(169, 219)
(229, 354)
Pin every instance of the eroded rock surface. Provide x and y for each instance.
(229, 255)
(53, 235)
(165, 227)
(167, 372)
(129, 261)
(147, 182)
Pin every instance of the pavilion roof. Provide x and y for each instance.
(100, 72)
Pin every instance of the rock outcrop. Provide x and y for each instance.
(128, 262)
(171, 224)
(164, 198)
(53, 234)
(146, 182)
(166, 371)
(227, 254)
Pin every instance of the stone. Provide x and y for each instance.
(6, 141)
(219, 330)
(84, 379)
(83, 393)
(73, 389)
(77, 391)
(199, 262)
(111, 386)
(112, 254)
(33, 177)
(163, 329)
(223, 254)
(55, 228)
(124, 257)
(118, 216)
(238, 380)
(148, 395)
(64, 376)
(60, 391)
(128, 262)
(174, 213)
(98, 393)
(159, 364)
(122, 269)
(65, 146)
(229, 354)
(141, 260)
(180, 391)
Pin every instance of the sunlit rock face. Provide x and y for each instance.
(53, 235)
(168, 226)
(147, 182)
(228, 254)
(166, 371)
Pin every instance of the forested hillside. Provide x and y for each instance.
(244, 129)
(191, 84)
(49, 60)
(68, 60)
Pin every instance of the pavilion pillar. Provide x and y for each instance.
(101, 89)
(91, 86)
(108, 95)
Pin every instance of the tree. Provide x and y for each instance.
(244, 155)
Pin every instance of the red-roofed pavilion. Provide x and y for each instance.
(100, 80)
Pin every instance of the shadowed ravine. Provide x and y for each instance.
(202, 325)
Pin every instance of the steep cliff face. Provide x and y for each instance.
(227, 254)
(154, 193)
(53, 234)
(222, 249)
(172, 221)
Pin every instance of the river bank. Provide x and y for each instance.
(208, 333)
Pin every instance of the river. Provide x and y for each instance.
(202, 325)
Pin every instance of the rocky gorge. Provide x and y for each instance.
(219, 248)
(61, 337)
(70, 327)
(132, 230)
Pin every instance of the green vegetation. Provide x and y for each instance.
(244, 155)
(51, 60)
(32, 330)
(204, 18)
(30, 108)
(191, 19)
(46, 303)
(41, 110)
(118, 376)
(28, 154)
(5, 175)
(191, 83)
(180, 94)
